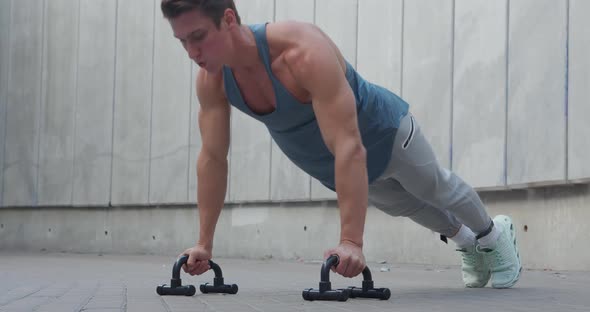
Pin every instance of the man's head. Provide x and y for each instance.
(204, 28)
(213, 9)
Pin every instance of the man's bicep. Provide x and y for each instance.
(214, 115)
(214, 126)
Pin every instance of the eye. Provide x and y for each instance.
(198, 36)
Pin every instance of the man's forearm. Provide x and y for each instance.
(212, 185)
(352, 189)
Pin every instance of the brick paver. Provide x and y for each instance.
(72, 282)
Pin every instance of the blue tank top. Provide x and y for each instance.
(294, 128)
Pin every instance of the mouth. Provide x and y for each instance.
(201, 64)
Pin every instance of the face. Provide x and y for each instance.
(202, 40)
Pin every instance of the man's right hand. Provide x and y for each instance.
(198, 260)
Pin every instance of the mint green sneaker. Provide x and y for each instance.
(503, 260)
(476, 273)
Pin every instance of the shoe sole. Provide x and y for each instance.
(483, 284)
(513, 236)
(478, 285)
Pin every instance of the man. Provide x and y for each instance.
(355, 137)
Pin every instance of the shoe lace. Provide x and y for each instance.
(496, 256)
(469, 257)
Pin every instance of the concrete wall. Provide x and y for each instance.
(554, 237)
(87, 120)
(97, 101)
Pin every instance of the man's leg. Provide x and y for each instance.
(389, 196)
(415, 167)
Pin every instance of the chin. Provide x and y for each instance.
(212, 68)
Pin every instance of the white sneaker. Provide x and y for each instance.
(476, 273)
(503, 259)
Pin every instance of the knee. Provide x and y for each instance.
(440, 191)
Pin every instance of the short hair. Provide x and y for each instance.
(213, 9)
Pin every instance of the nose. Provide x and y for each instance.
(193, 51)
(193, 54)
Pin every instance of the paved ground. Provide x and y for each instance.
(73, 282)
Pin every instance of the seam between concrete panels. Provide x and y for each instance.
(151, 124)
(40, 105)
(566, 108)
(190, 125)
(401, 72)
(356, 38)
(6, 84)
(269, 196)
(274, 10)
(114, 100)
(506, 92)
(310, 179)
(75, 108)
(314, 11)
(452, 90)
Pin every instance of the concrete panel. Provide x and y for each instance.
(579, 93)
(170, 116)
(536, 92)
(288, 182)
(99, 230)
(342, 29)
(94, 107)
(133, 100)
(479, 96)
(427, 70)
(256, 11)
(4, 71)
(56, 147)
(22, 106)
(251, 143)
(380, 52)
(296, 10)
(249, 159)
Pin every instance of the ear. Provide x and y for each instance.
(229, 17)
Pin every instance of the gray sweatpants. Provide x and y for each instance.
(414, 185)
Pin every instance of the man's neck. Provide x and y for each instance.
(245, 52)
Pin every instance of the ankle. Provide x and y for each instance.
(488, 241)
(464, 238)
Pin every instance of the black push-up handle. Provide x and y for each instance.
(368, 290)
(218, 285)
(175, 288)
(325, 291)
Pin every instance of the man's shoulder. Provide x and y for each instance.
(291, 33)
(293, 40)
